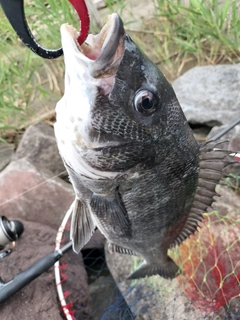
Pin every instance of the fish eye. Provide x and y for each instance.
(145, 102)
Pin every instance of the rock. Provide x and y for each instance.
(107, 300)
(99, 4)
(150, 298)
(30, 193)
(233, 136)
(6, 152)
(38, 300)
(38, 144)
(155, 297)
(75, 283)
(210, 95)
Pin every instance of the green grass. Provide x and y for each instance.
(208, 30)
(175, 37)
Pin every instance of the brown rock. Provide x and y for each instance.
(76, 285)
(6, 152)
(38, 300)
(30, 193)
(38, 144)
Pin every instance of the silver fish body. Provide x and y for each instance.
(138, 173)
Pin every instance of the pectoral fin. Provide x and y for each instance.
(168, 270)
(82, 225)
(111, 211)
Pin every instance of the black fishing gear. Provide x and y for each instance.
(7, 289)
(14, 11)
(9, 231)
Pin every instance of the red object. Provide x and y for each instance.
(82, 11)
(211, 268)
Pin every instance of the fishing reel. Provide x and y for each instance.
(10, 231)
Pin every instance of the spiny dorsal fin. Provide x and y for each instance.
(82, 225)
(212, 161)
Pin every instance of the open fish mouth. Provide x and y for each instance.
(101, 53)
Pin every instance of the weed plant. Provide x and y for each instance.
(178, 33)
(207, 31)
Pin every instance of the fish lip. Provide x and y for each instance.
(111, 44)
(101, 50)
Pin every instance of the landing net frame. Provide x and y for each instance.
(58, 280)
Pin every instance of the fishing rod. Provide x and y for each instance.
(11, 231)
(225, 130)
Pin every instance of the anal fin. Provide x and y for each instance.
(168, 270)
(112, 247)
(82, 225)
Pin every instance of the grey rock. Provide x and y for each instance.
(150, 298)
(232, 137)
(31, 193)
(6, 152)
(38, 144)
(154, 297)
(107, 300)
(210, 95)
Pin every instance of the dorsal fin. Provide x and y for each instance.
(212, 161)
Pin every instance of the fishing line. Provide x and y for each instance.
(33, 188)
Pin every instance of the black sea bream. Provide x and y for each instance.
(138, 173)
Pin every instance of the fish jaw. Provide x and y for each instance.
(89, 69)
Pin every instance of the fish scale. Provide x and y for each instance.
(138, 173)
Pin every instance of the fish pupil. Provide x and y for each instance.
(147, 103)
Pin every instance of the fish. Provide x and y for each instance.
(138, 173)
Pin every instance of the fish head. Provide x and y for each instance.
(114, 95)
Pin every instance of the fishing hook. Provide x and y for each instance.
(14, 11)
